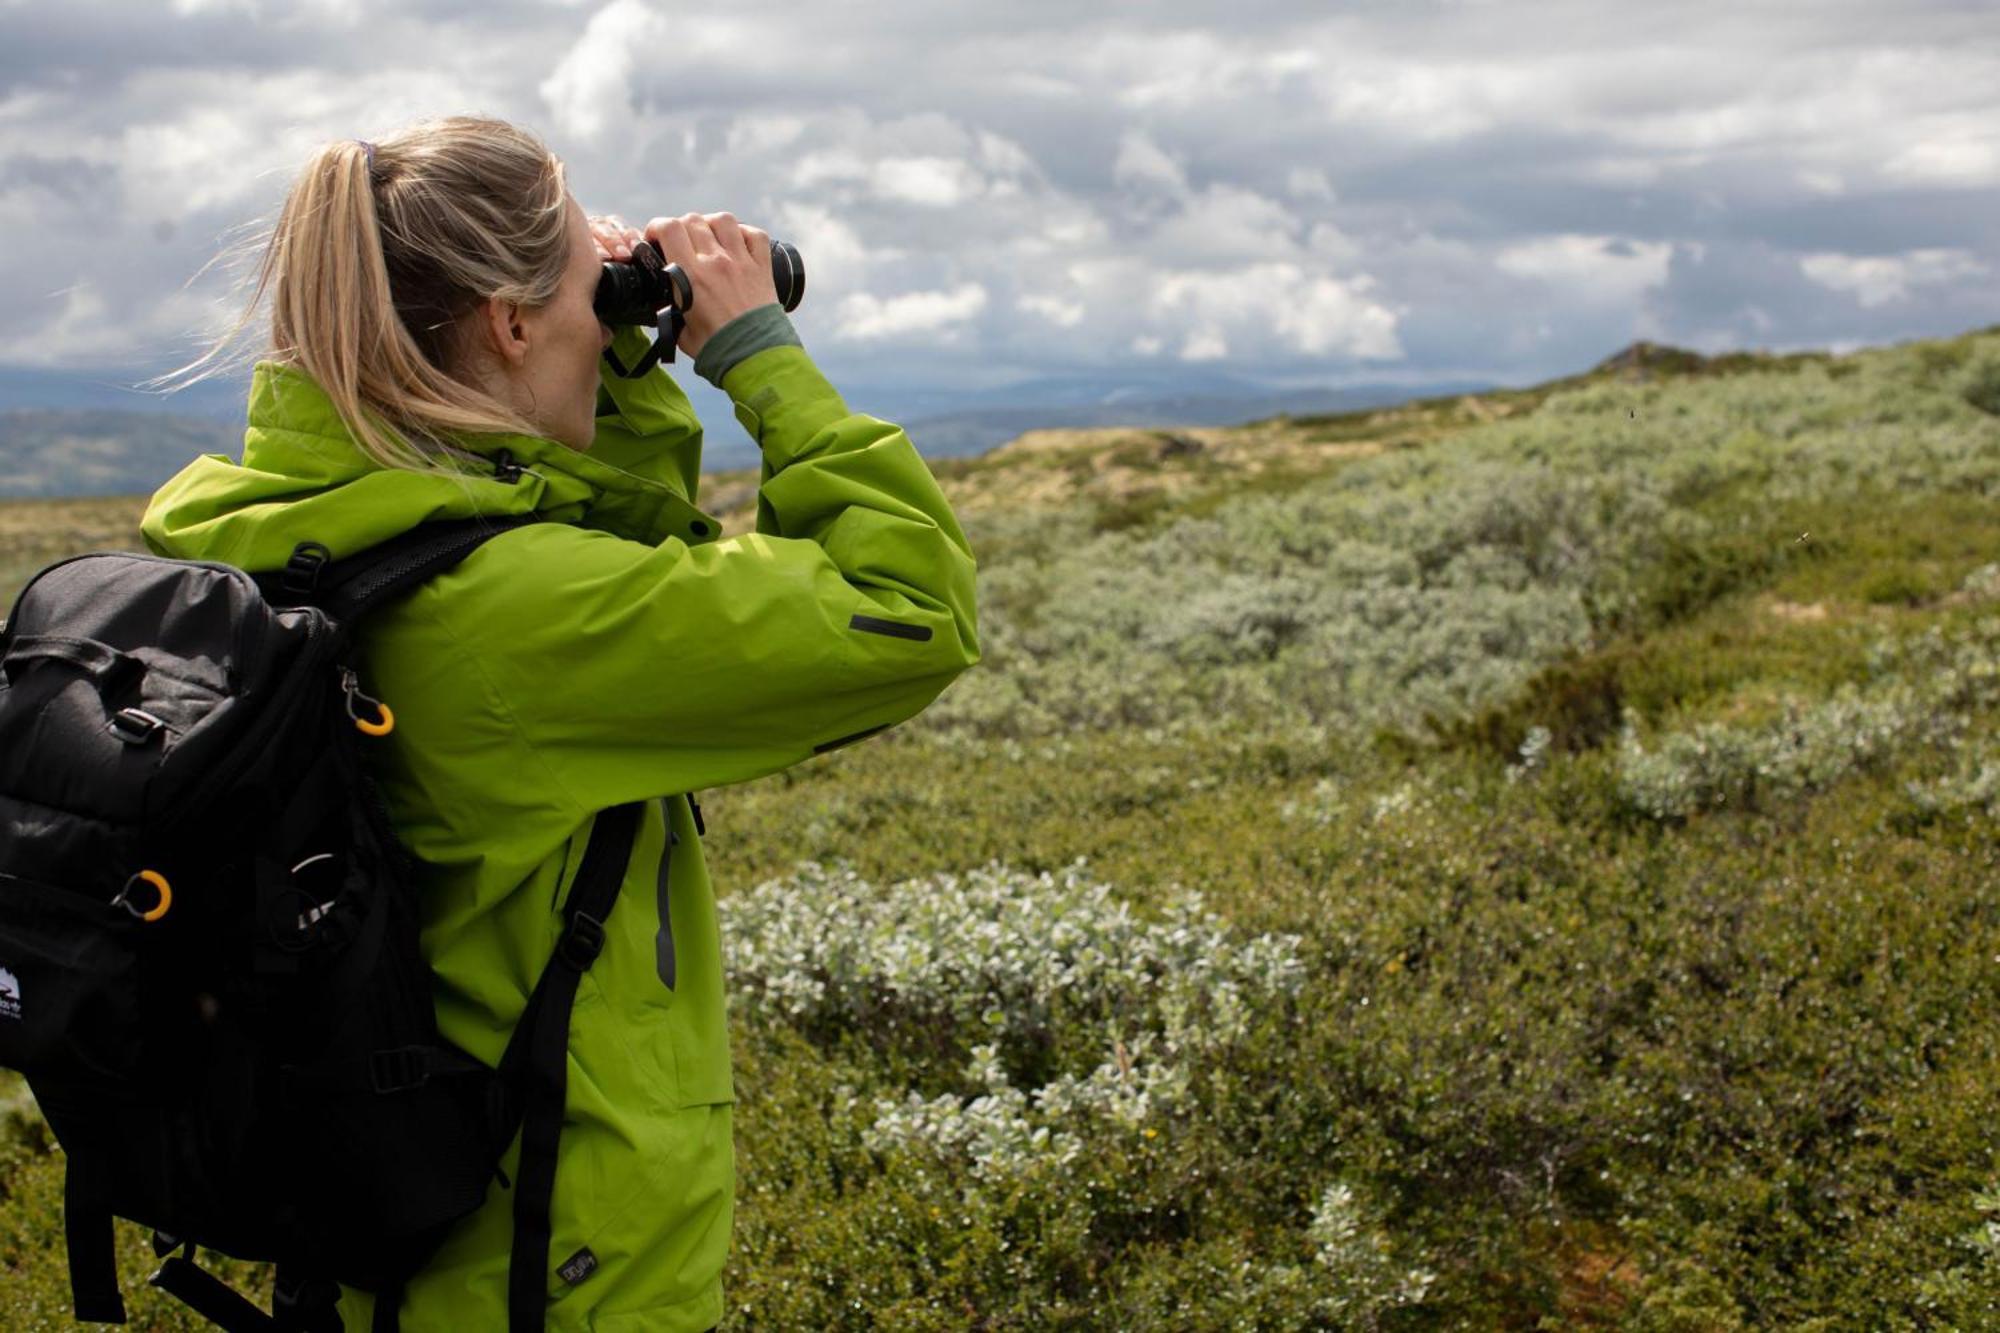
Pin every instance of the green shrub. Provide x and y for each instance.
(1982, 386)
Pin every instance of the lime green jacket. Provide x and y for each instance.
(624, 651)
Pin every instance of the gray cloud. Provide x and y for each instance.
(1419, 190)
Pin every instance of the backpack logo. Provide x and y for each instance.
(10, 994)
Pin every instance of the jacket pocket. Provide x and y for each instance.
(669, 1048)
(700, 1021)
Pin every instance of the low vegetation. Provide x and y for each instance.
(1516, 863)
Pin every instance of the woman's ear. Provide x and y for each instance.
(501, 329)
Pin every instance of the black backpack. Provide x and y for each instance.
(209, 965)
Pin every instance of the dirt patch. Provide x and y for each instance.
(1597, 1286)
(1799, 613)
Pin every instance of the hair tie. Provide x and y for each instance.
(369, 149)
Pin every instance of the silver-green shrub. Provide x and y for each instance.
(1967, 1293)
(1432, 583)
(1007, 965)
(999, 953)
(1359, 1258)
(1924, 691)
(999, 957)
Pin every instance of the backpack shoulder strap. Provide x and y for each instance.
(350, 588)
(535, 1067)
(93, 1263)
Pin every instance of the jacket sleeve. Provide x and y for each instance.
(647, 426)
(638, 670)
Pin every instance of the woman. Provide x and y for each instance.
(434, 354)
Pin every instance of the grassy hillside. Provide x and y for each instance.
(1516, 862)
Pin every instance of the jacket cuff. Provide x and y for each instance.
(744, 336)
(783, 401)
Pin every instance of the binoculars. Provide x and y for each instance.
(646, 290)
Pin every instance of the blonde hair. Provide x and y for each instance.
(372, 268)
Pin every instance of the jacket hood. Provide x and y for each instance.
(303, 478)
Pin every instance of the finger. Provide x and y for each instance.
(727, 231)
(671, 235)
(701, 233)
(759, 242)
(614, 236)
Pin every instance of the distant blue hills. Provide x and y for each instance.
(66, 433)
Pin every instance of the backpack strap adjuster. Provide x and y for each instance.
(581, 942)
(135, 726)
(300, 577)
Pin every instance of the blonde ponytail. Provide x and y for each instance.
(375, 261)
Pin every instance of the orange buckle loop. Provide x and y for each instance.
(385, 720)
(382, 726)
(160, 887)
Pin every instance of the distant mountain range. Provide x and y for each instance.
(64, 434)
(48, 452)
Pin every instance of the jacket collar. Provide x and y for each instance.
(303, 478)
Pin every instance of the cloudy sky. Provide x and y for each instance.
(1294, 192)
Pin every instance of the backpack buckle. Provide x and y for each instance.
(300, 577)
(581, 942)
(399, 1068)
(135, 726)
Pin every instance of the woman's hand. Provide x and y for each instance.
(728, 263)
(615, 237)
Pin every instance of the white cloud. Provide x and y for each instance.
(1005, 158)
(836, 257)
(1331, 245)
(1309, 183)
(1226, 222)
(1276, 303)
(590, 91)
(1878, 280)
(235, 149)
(1596, 269)
(173, 168)
(1143, 162)
(1428, 101)
(1144, 68)
(763, 132)
(84, 329)
(1063, 314)
(821, 166)
(1205, 345)
(929, 182)
(1966, 162)
(867, 318)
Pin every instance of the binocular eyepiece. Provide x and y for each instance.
(646, 290)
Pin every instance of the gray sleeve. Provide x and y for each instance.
(747, 334)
